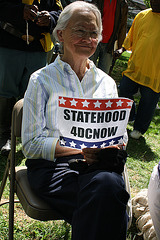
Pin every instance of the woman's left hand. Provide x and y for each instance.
(91, 154)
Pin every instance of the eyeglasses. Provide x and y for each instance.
(81, 33)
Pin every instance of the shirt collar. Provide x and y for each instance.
(65, 68)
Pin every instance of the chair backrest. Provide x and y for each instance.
(17, 118)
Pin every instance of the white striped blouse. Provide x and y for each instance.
(40, 131)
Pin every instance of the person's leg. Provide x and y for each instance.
(95, 56)
(6, 106)
(10, 70)
(146, 109)
(127, 89)
(154, 199)
(105, 58)
(101, 207)
(56, 183)
(33, 62)
(94, 203)
(15, 69)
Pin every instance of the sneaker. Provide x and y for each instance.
(135, 134)
(157, 106)
(6, 148)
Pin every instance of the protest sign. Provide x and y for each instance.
(93, 123)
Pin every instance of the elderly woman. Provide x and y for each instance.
(94, 203)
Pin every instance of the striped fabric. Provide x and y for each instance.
(40, 130)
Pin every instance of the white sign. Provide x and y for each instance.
(93, 123)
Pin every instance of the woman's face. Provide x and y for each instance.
(80, 38)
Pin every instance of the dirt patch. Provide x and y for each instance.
(19, 213)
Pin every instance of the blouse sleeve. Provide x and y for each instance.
(37, 142)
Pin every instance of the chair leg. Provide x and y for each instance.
(11, 197)
(4, 179)
(11, 220)
(11, 211)
(129, 205)
(12, 191)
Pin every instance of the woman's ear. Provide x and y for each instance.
(60, 35)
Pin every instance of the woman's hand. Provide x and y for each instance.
(117, 53)
(91, 154)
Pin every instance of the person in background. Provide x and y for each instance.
(25, 28)
(66, 2)
(154, 198)
(93, 202)
(142, 73)
(114, 21)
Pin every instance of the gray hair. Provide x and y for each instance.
(68, 11)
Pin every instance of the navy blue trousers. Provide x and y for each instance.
(93, 203)
(146, 106)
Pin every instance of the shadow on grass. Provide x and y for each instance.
(156, 118)
(139, 149)
(133, 232)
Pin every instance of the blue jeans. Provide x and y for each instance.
(146, 106)
(103, 57)
(93, 203)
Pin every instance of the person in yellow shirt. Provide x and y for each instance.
(143, 71)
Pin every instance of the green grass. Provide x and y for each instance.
(143, 154)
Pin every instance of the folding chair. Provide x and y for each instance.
(129, 204)
(34, 206)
